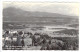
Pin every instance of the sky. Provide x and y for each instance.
(51, 7)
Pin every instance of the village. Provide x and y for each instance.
(36, 38)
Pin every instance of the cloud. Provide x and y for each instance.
(62, 8)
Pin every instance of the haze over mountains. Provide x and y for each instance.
(13, 14)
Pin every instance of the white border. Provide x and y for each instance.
(47, 0)
(31, 1)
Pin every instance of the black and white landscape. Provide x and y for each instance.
(39, 30)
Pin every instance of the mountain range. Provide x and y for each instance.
(12, 14)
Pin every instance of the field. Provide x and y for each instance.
(61, 37)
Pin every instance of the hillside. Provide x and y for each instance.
(13, 14)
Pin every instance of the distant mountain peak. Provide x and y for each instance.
(16, 14)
